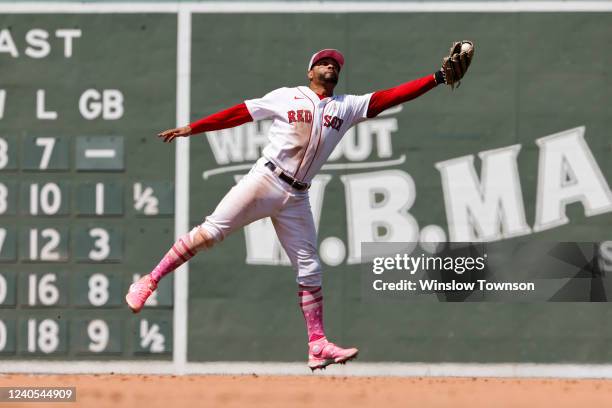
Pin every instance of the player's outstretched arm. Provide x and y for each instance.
(385, 99)
(228, 118)
(454, 67)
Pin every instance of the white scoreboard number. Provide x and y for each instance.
(3, 198)
(3, 289)
(43, 290)
(44, 244)
(98, 293)
(43, 336)
(3, 336)
(45, 199)
(4, 153)
(99, 335)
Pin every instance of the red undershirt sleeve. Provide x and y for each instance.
(385, 99)
(228, 118)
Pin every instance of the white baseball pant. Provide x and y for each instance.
(262, 194)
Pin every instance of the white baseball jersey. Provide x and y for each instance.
(304, 133)
(305, 129)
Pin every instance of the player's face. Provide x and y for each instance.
(326, 70)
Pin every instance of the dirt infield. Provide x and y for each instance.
(118, 391)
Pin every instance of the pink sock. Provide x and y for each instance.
(311, 303)
(180, 253)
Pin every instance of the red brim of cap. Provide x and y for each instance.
(329, 53)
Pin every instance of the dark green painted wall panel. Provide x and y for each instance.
(530, 78)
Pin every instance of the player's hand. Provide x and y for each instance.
(170, 134)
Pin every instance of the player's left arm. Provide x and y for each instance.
(387, 98)
(454, 67)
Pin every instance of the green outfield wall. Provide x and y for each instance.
(520, 151)
(529, 79)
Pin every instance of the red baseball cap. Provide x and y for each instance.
(327, 53)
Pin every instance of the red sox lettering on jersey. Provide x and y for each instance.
(306, 128)
(299, 116)
(306, 116)
(333, 121)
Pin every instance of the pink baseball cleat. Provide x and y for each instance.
(322, 353)
(139, 292)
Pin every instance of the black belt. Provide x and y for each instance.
(298, 185)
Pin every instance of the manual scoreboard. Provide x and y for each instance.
(86, 189)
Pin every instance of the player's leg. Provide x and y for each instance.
(183, 249)
(296, 231)
(254, 197)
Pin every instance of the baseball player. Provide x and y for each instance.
(308, 122)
